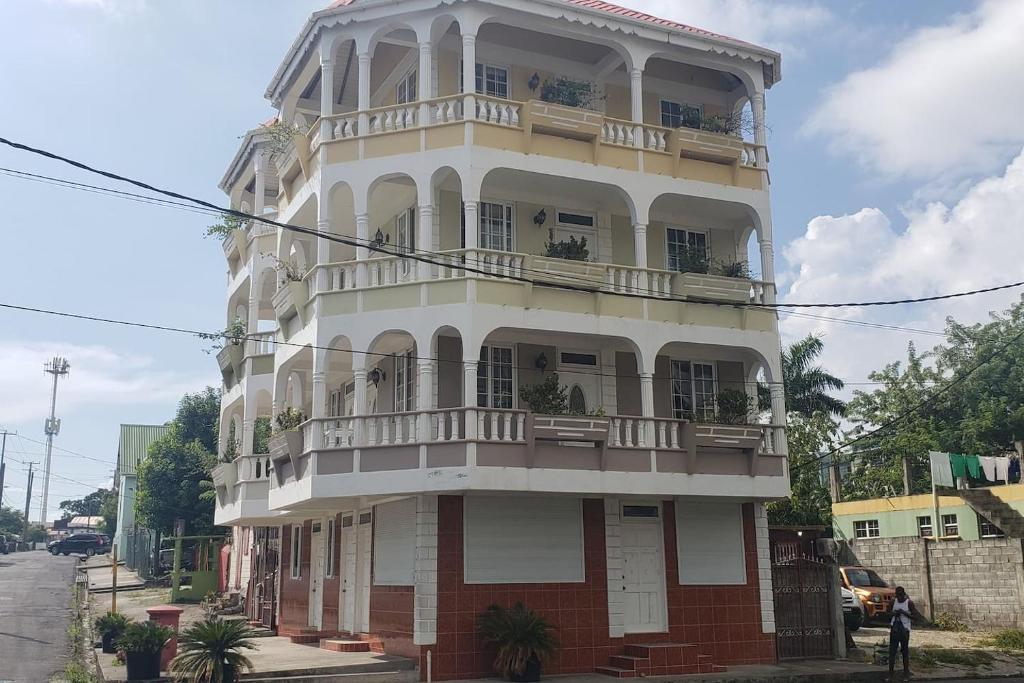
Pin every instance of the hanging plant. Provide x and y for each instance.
(229, 222)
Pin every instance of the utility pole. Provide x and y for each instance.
(28, 496)
(58, 367)
(3, 467)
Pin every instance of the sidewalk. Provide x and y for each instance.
(100, 575)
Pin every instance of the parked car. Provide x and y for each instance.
(3, 544)
(875, 594)
(853, 613)
(12, 543)
(86, 544)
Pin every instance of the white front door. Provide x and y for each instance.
(580, 373)
(643, 569)
(364, 569)
(316, 578)
(348, 573)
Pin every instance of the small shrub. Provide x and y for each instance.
(570, 93)
(931, 657)
(289, 419)
(572, 250)
(547, 397)
(1007, 639)
(210, 651)
(736, 269)
(693, 260)
(519, 634)
(228, 223)
(144, 636)
(944, 621)
(734, 407)
(111, 622)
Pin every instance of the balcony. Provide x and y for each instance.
(488, 449)
(242, 488)
(252, 357)
(536, 127)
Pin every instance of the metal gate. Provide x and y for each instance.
(804, 619)
(262, 595)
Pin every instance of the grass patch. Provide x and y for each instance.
(77, 671)
(944, 621)
(1007, 639)
(927, 658)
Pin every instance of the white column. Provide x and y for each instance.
(362, 252)
(425, 237)
(469, 75)
(326, 96)
(319, 408)
(760, 138)
(640, 244)
(426, 83)
(248, 432)
(469, 393)
(359, 399)
(424, 396)
(768, 269)
(647, 408)
(260, 190)
(364, 92)
(323, 253)
(252, 318)
(778, 394)
(472, 210)
(636, 89)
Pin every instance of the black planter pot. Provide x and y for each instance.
(229, 674)
(107, 642)
(142, 666)
(530, 674)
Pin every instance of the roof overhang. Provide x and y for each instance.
(656, 30)
(251, 141)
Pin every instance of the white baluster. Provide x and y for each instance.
(399, 425)
(629, 136)
(674, 432)
(438, 420)
(481, 432)
(455, 424)
(371, 431)
(616, 424)
(521, 426)
(662, 440)
(629, 432)
(495, 434)
(508, 427)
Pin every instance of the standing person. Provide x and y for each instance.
(903, 611)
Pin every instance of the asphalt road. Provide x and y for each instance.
(35, 608)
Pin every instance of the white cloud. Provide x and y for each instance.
(773, 24)
(99, 376)
(946, 101)
(115, 8)
(861, 256)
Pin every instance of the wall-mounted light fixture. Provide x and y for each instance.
(380, 239)
(541, 218)
(376, 376)
(541, 362)
(533, 82)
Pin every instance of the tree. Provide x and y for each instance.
(36, 534)
(89, 506)
(809, 503)
(108, 510)
(11, 521)
(170, 477)
(807, 385)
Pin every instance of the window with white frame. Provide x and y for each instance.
(680, 115)
(405, 382)
(296, 555)
(686, 250)
(405, 230)
(693, 389)
(491, 79)
(494, 377)
(950, 526)
(866, 528)
(406, 91)
(987, 529)
(496, 226)
(336, 404)
(924, 527)
(331, 536)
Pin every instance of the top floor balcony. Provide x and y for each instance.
(557, 85)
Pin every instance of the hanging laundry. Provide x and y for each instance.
(1013, 473)
(942, 475)
(1003, 469)
(988, 467)
(958, 463)
(973, 466)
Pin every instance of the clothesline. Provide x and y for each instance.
(946, 468)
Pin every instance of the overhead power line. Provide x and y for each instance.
(412, 254)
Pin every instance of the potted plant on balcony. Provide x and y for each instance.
(571, 250)
(547, 397)
(210, 651)
(524, 641)
(286, 441)
(228, 225)
(141, 643)
(734, 269)
(110, 627)
(570, 93)
(734, 407)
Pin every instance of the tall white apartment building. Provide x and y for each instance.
(448, 159)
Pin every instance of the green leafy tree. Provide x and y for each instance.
(197, 417)
(108, 510)
(11, 521)
(261, 435)
(810, 503)
(36, 534)
(89, 506)
(807, 385)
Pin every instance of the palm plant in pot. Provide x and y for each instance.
(110, 627)
(141, 643)
(524, 641)
(210, 651)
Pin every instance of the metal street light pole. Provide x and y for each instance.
(58, 367)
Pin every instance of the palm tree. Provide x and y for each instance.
(209, 651)
(807, 385)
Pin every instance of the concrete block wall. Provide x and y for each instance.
(980, 582)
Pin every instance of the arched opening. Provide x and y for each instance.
(393, 226)
(682, 94)
(704, 383)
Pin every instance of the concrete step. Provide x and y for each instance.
(369, 677)
(344, 645)
(629, 663)
(616, 672)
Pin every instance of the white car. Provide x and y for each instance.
(853, 612)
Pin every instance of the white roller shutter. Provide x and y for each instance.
(523, 540)
(709, 538)
(394, 543)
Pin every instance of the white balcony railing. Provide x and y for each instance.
(260, 344)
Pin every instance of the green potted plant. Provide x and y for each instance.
(141, 643)
(286, 442)
(734, 407)
(571, 250)
(110, 627)
(734, 269)
(210, 651)
(570, 93)
(524, 641)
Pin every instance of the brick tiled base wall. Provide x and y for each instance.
(391, 616)
(725, 621)
(579, 611)
(294, 597)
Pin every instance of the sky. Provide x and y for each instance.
(896, 167)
